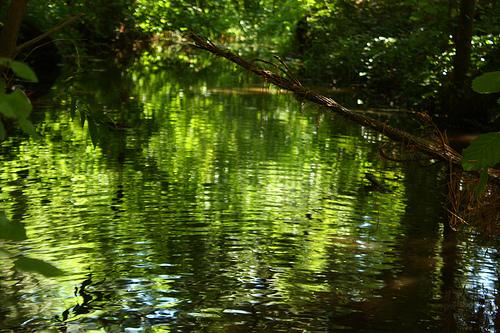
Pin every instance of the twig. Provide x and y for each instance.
(49, 32)
(287, 71)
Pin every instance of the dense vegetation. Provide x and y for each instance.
(416, 54)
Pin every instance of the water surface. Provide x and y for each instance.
(187, 204)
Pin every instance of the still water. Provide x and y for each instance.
(201, 204)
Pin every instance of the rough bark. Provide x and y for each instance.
(463, 39)
(459, 103)
(10, 31)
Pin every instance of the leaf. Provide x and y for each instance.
(23, 71)
(27, 126)
(15, 105)
(37, 266)
(21, 102)
(483, 152)
(487, 83)
(480, 188)
(6, 107)
(19, 68)
(11, 230)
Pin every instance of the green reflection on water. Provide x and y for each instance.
(200, 208)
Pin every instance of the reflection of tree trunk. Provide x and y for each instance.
(8, 36)
(412, 287)
(448, 271)
(408, 291)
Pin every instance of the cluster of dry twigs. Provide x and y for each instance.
(468, 206)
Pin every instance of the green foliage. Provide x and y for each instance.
(103, 27)
(16, 105)
(402, 51)
(487, 83)
(343, 37)
(20, 69)
(255, 24)
(483, 181)
(380, 44)
(484, 152)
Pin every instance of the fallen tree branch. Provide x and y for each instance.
(46, 34)
(434, 148)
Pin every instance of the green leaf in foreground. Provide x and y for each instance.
(483, 181)
(484, 152)
(23, 71)
(15, 105)
(20, 69)
(487, 83)
(37, 266)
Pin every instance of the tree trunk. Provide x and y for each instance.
(10, 31)
(458, 101)
(463, 38)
